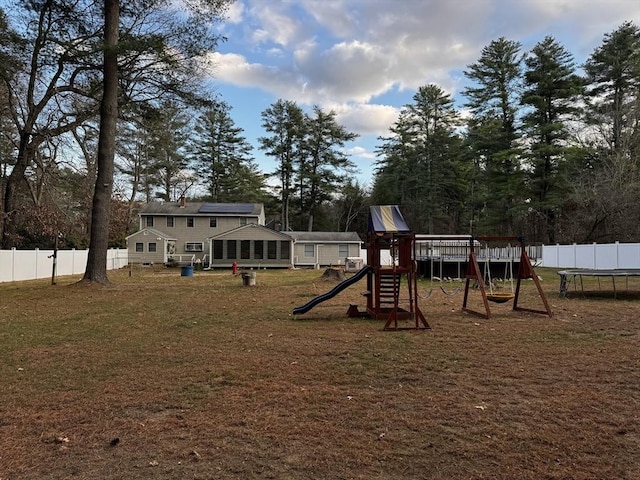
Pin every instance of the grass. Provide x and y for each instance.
(199, 377)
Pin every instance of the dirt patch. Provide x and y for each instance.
(334, 274)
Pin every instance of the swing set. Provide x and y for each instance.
(525, 271)
(386, 283)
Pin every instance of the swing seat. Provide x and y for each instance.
(500, 297)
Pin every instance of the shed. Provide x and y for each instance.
(315, 249)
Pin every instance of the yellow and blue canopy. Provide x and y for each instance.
(386, 219)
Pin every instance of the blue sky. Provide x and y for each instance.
(365, 59)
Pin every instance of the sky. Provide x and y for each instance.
(365, 59)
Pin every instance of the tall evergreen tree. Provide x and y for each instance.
(284, 123)
(613, 76)
(396, 171)
(434, 121)
(493, 134)
(552, 91)
(423, 160)
(607, 182)
(323, 165)
(171, 136)
(222, 157)
(96, 269)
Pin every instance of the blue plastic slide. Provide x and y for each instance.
(333, 292)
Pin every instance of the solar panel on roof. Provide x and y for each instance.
(235, 208)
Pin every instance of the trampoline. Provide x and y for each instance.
(568, 276)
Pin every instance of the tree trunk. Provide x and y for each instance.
(11, 191)
(96, 270)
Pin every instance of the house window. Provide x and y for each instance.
(309, 250)
(191, 222)
(149, 221)
(258, 250)
(231, 249)
(213, 222)
(245, 249)
(139, 247)
(193, 247)
(343, 250)
(284, 249)
(170, 222)
(243, 221)
(152, 247)
(272, 249)
(217, 249)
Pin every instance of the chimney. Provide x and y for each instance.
(183, 201)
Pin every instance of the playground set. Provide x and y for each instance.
(387, 229)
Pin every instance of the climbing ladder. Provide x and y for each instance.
(389, 288)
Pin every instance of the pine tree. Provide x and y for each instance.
(607, 176)
(222, 158)
(422, 168)
(552, 91)
(493, 135)
(284, 122)
(613, 76)
(322, 167)
(167, 139)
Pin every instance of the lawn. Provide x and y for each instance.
(162, 376)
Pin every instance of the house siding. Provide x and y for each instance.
(324, 253)
(146, 256)
(200, 231)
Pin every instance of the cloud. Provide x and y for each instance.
(361, 152)
(347, 71)
(235, 13)
(352, 53)
(365, 119)
(274, 24)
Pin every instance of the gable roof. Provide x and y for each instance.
(151, 232)
(387, 219)
(327, 237)
(266, 231)
(203, 208)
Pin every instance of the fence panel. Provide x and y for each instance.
(19, 265)
(606, 256)
(629, 255)
(585, 256)
(603, 256)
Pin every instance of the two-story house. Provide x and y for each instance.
(218, 234)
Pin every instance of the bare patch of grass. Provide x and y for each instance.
(200, 377)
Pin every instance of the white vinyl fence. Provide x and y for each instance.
(594, 256)
(17, 265)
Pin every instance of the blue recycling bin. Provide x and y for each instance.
(187, 271)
